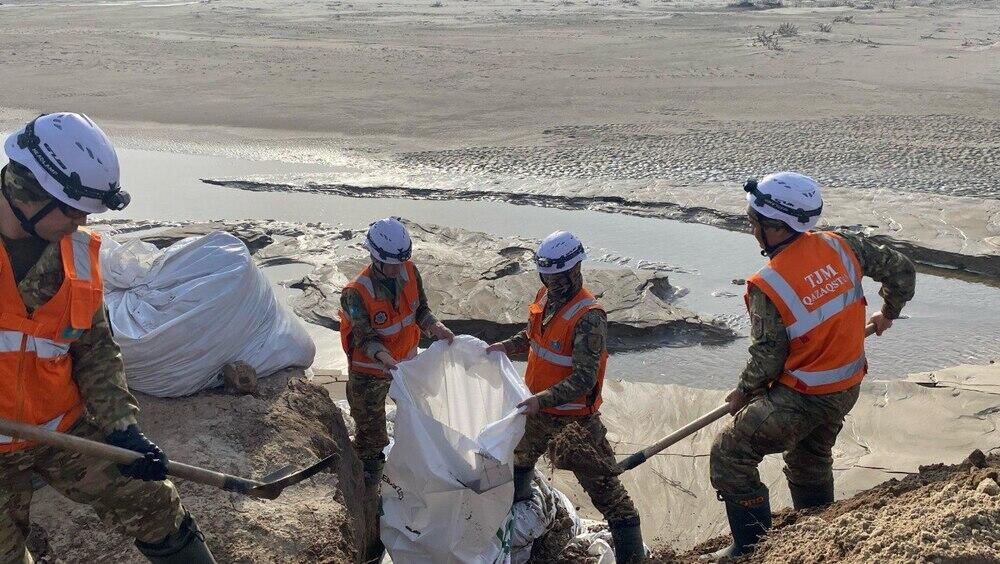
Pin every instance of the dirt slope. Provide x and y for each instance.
(289, 422)
(943, 513)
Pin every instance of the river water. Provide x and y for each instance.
(950, 320)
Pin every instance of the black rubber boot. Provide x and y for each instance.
(749, 519)
(804, 497)
(522, 483)
(627, 537)
(186, 546)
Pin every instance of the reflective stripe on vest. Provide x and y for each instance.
(367, 283)
(806, 321)
(48, 426)
(401, 324)
(826, 345)
(378, 365)
(571, 311)
(569, 406)
(550, 359)
(36, 371)
(400, 338)
(83, 266)
(554, 358)
(824, 377)
(10, 341)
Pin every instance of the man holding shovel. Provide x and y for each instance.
(807, 357)
(382, 314)
(60, 368)
(566, 345)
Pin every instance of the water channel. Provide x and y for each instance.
(949, 321)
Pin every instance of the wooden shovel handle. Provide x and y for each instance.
(689, 429)
(122, 456)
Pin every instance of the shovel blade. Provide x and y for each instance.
(275, 482)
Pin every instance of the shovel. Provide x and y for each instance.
(687, 430)
(269, 488)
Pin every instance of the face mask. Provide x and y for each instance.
(565, 285)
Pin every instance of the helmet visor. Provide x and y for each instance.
(383, 254)
(761, 199)
(560, 262)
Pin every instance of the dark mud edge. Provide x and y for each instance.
(621, 337)
(976, 268)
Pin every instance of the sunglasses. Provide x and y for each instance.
(70, 211)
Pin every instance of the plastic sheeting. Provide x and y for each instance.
(456, 423)
(181, 313)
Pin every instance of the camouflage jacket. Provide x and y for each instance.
(769, 340)
(363, 335)
(97, 362)
(589, 338)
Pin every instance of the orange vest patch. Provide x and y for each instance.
(396, 326)
(550, 359)
(816, 285)
(36, 370)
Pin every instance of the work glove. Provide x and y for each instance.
(151, 467)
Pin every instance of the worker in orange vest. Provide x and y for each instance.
(566, 344)
(383, 311)
(60, 367)
(807, 356)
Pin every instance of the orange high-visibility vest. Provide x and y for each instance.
(36, 370)
(816, 285)
(550, 359)
(396, 328)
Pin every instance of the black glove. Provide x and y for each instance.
(152, 467)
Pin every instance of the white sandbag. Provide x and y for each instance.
(183, 312)
(595, 539)
(535, 517)
(455, 424)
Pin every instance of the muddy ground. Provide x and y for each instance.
(641, 106)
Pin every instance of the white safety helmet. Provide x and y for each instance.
(388, 241)
(786, 196)
(559, 252)
(72, 159)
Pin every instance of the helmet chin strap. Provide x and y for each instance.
(769, 250)
(28, 224)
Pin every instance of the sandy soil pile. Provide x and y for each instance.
(288, 422)
(940, 514)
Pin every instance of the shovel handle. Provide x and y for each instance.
(122, 455)
(682, 433)
(700, 423)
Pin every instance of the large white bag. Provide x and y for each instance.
(181, 313)
(456, 419)
(535, 517)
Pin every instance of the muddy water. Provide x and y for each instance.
(949, 321)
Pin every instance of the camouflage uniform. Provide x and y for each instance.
(148, 511)
(366, 393)
(778, 419)
(589, 337)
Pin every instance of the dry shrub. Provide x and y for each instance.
(788, 29)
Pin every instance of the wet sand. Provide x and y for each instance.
(672, 104)
(659, 104)
(893, 429)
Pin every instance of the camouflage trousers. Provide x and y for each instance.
(804, 427)
(366, 395)
(147, 511)
(605, 490)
